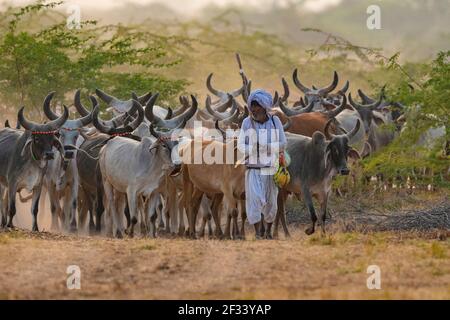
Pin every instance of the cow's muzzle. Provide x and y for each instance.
(344, 172)
(49, 155)
(68, 154)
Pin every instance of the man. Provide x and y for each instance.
(262, 140)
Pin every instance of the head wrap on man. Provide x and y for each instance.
(262, 97)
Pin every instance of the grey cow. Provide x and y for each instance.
(315, 161)
(23, 160)
(61, 179)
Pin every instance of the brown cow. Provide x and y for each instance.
(306, 123)
(217, 179)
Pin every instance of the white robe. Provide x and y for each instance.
(261, 194)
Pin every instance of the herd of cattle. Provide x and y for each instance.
(123, 170)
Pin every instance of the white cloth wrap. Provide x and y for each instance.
(261, 194)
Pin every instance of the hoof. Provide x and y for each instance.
(119, 234)
(309, 231)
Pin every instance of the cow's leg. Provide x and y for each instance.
(215, 207)
(35, 206)
(171, 202)
(12, 189)
(143, 216)
(235, 214)
(73, 201)
(204, 218)
(99, 207)
(109, 209)
(210, 230)
(243, 218)
(126, 212)
(196, 200)
(227, 226)
(120, 204)
(281, 214)
(188, 197)
(55, 207)
(166, 211)
(323, 200)
(151, 214)
(181, 211)
(309, 204)
(132, 201)
(3, 202)
(193, 205)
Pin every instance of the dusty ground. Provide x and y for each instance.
(413, 264)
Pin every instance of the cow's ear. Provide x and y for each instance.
(367, 150)
(378, 120)
(354, 154)
(26, 145)
(318, 138)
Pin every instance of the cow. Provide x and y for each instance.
(91, 188)
(317, 95)
(304, 122)
(23, 160)
(373, 122)
(62, 182)
(133, 171)
(314, 162)
(218, 179)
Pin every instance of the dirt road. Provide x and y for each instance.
(412, 266)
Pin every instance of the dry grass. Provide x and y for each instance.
(413, 266)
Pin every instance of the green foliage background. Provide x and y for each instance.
(38, 54)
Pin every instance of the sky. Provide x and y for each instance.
(192, 6)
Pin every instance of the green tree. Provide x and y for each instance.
(48, 56)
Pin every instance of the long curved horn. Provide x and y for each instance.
(333, 113)
(98, 123)
(144, 98)
(79, 106)
(174, 122)
(292, 112)
(184, 106)
(298, 84)
(57, 123)
(153, 132)
(286, 90)
(332, 86)
(224, 106)
(275, 99)
(149, 108)
(233, 119)
(221, 115)
(238, 91)
(371, 106)
(104, 96)
(50, 126)
(326, 130)
(287, 124)
(365, 98)
(217, 126)
(169, 114)
(345, 87)
(352, 133)
(138, 120)
(47, 109)
(219, 93)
